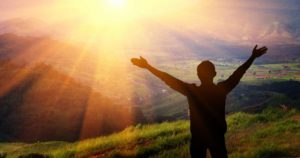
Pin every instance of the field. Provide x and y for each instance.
(276, 71)
(248, 136)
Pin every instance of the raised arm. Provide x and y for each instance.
(171, 81)
(235, 78)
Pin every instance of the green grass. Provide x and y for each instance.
(271, 133)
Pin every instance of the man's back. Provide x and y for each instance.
(207, 109)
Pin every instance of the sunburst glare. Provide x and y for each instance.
(116, 3)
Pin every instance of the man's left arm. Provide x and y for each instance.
(235, 78)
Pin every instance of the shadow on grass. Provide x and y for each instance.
(32, 155)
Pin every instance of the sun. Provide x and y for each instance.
(116, 3)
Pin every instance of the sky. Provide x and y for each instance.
(264, 19)
(13, 8)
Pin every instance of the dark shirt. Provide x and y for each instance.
(206, 102)
(207, 109)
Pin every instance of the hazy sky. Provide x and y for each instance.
(221, 18)
(31, 7)
(53, 10)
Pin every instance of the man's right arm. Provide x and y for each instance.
(171, 81)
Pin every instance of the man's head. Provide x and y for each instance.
(206, 72)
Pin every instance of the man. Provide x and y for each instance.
(206, 103)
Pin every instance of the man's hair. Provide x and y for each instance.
(206, 67)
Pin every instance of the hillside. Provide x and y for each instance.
(40, 103)
(249, 136)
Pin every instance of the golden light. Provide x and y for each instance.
(113, 30)
(116, 3)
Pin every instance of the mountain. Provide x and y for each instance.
(174, 42)
(30, 49)
(89, 66)
(279, 33)
(39, 103)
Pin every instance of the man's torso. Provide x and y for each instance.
(207, 109)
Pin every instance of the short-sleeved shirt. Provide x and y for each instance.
(207, 109)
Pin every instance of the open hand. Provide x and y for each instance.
(140, 62)
(259, 52)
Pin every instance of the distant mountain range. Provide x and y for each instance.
(283, 40)
(279, 33)
(274, 33)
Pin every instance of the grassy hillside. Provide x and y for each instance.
(275, 132)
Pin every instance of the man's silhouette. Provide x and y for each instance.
(206, 103)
